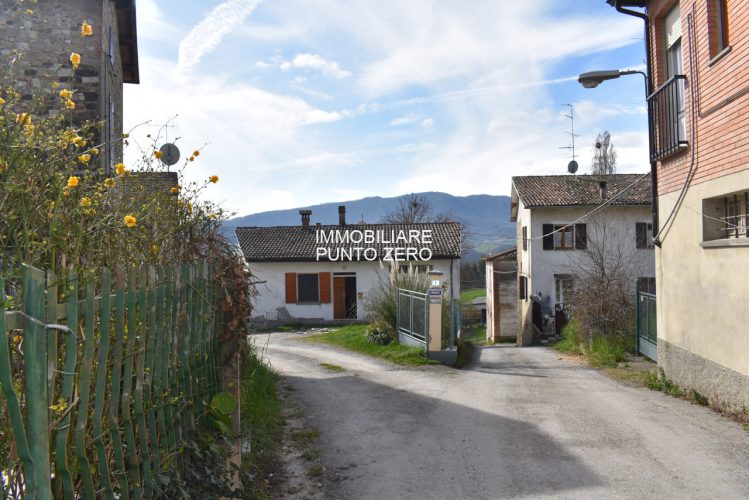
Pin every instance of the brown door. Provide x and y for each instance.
(339, 297)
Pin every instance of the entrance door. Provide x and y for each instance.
(344, 297)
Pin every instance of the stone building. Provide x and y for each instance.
(501, 295)
(39, 42)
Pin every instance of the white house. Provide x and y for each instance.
(555, 228)
(309, 273)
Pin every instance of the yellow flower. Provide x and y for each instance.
(86, 29)
(55, 85)
(174, 190)
(76, 139)
(125, 136)
(75, 59)
(120, 169)
(109, 183)
(196, 153)
(85, 201)
(189, 207)
(158, 154)
(94, 151)
(17, 339)
(73, 181)
(82, 143)
(69, 104)
(23, 119)
(213, 179)
(212, 216)
(155, 248)
(84, 158)
(130, 221)
(2, 101)
(29, 12)
(66, 94)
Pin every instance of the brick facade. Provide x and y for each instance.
(44, 41)
(719, 86)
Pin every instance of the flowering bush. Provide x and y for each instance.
(61, 212)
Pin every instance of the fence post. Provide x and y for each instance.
(35, 358)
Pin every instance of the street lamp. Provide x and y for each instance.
(593, 79)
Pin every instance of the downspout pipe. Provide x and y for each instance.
(649, 86)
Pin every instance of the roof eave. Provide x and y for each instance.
(128, 40)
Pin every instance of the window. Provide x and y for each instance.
(563, 287)
(565, 236)
(726, 217)
(717, 18)
(308, 288)
(525, 238)
(646, 285)
(644, 234)
(674, 67)
(523, 287)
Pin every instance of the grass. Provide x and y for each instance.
(333, 368)
(305, 437)
(477, 336)
(352, 337)
(261, 420)
(745, 427)
(317, 470)
(470, 294)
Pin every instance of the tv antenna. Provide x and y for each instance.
(572, 165)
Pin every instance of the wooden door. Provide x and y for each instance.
(339, 297)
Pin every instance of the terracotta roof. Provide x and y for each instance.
(295, 244)
(581, 190)
(509, 254)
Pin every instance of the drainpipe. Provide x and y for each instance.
(648, 62)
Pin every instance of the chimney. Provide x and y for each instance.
(604, 190)
(341, 215)
(305, 218)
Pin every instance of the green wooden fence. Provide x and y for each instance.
(104, 381)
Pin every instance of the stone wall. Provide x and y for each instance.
(41, 44)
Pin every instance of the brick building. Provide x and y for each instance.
(697, 53)
(44, 40)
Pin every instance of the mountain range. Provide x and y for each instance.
(486, 217)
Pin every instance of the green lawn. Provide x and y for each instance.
(471, 293)
(477, 336)
(352, 337)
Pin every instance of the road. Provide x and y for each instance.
(520, 422)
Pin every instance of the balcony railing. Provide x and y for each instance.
(667, 118)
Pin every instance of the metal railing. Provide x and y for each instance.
(412, 316)
(667, 115)
(647, 332)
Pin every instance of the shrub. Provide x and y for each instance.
(382, 303)
(380, 333)
(465, 353)
(606, 351)
(571, 338)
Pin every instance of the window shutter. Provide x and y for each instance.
(641, 228)
(291, 288)
(325, 288)
(525, 237)
(581, 236)
(672, 26)
(548, 237)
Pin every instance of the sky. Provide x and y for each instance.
(299, 102)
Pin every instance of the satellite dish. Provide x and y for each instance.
(572, 167)
(169, 154)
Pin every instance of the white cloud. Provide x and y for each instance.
(314, 61)
(406, 119)
(208, 33)
(152, 24)
(427, 123)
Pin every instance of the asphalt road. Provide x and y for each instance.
(519, 423)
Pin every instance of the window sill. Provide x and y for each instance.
(720, 55)
(726, 243)
(681, 148)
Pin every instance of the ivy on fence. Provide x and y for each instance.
(104, 381)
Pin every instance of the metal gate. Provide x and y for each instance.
(647, 334)
(413, 322)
